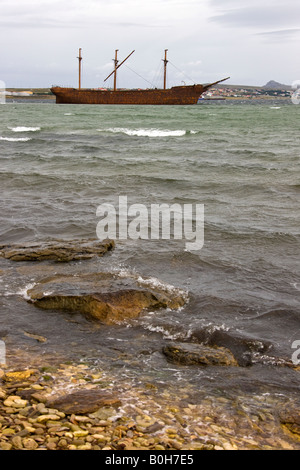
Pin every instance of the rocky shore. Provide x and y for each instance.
(48, 404)
(76, 407)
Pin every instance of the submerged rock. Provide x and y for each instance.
(290, 420)
(197, 354)
(242, 347)
(61, 251)
(84, 401)
(105, 297)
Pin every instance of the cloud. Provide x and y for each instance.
(208, 39)
(256, 15)
(75, 13)
(280, 35)
(194, 63)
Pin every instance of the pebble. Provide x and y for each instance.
(153, 422)
(15, 401)
(47, 417)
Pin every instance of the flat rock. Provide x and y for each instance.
(84, 401)
(197, 354)
(104, 297)
(60, 251)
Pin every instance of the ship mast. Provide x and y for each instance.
(165, 60)
(79, 59)
(116, 68)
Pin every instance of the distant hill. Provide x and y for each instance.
(272, 85)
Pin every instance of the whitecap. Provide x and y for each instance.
(156, 283)
(151, 282)
(148, 132)
(24, 129)
(15, 139)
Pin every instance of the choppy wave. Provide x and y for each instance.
(24, 129)
(150, 132)
(16, 139)
(151, 282)
(242, 289)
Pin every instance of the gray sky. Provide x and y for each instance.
(252, 41)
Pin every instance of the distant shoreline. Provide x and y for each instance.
(219, 92)
(29, 94)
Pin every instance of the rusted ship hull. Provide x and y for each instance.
(179, 95)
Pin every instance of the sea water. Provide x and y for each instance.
(58, 163)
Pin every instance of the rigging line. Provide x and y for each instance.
(158, 73)
(108, 84)
(139, 75)
(183, 73)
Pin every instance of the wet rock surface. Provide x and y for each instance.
(242, 347)
(104, 297)
(196, 354)
(79, 408)
(59, 251)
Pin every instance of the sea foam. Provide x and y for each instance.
(16, 139)
(24, 129)
(148, 132)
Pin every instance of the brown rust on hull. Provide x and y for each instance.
(181, 95)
